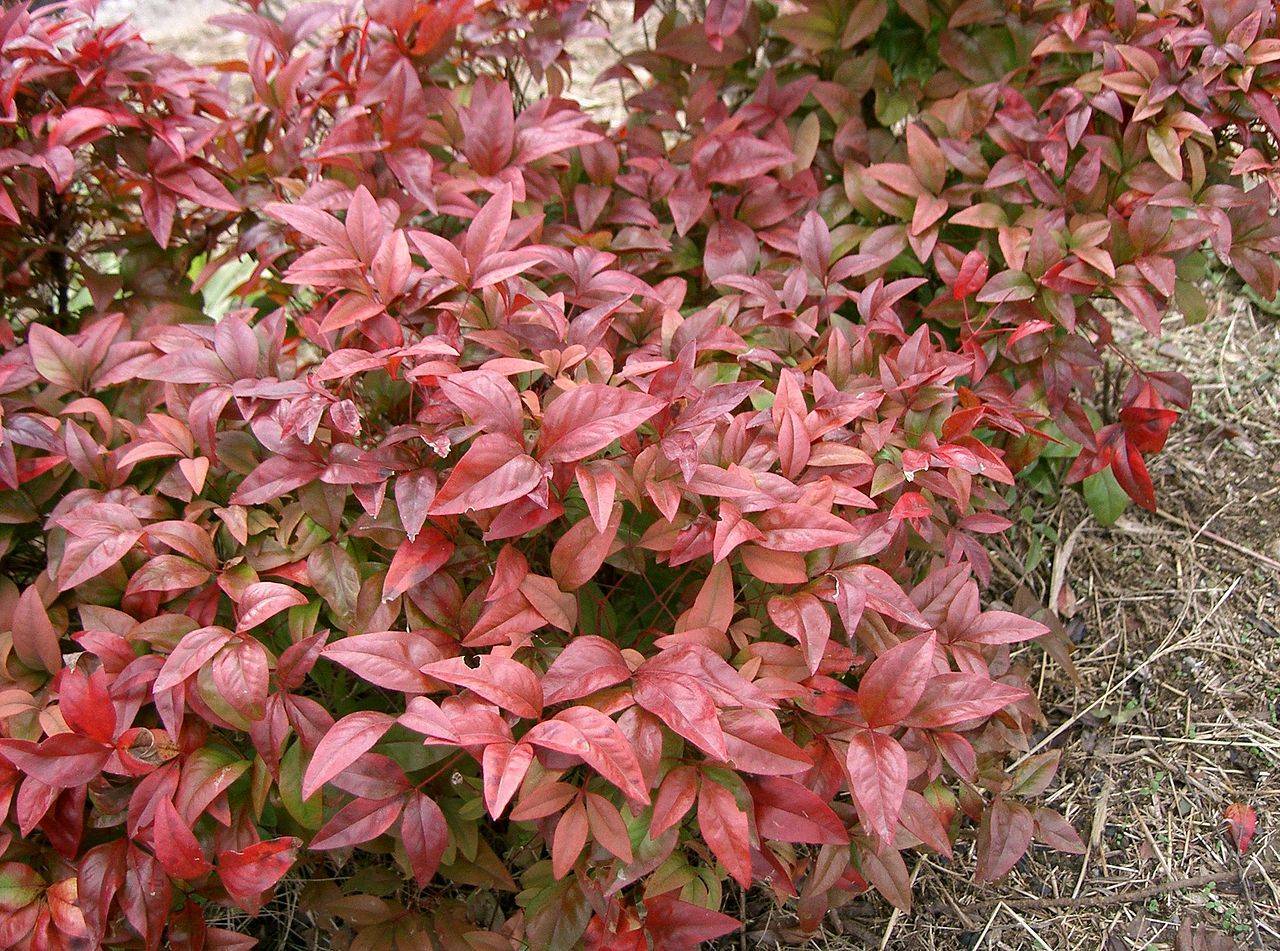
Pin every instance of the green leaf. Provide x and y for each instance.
(1191, 301)
(217, 290)
(336, 577)
(19, 886)
(1106, 499)
(310, 812)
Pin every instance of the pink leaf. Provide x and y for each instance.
(877, 767)
(588, 418)
(500, 680)
(347, 740)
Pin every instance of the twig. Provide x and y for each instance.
(1101, 901)
(742, 913)
(1224, 542)
(1250, 904)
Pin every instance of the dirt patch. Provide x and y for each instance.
(178, 25)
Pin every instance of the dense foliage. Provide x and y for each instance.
(404, 470)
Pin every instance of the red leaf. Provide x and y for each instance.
(414, 492)
(588, 663)
(598, 740)
(389, 659)
(1055, 832)
(684, 685)
(971, 276)
(86, 705)
(920, 819)
(956, 698)
(1003, 838)
(757, 744)
(599, 485)
(675, 798)
(723, 19)
(20, 886)
(714, 607)
(803, 528)
(175, 844)
(94, 548)
(34, 639)
(579, 552)
(275, 478)
(80, 120)
(415, 561)
(488, 399)
(569, 838)
(494, 471)
(877, 768)
(191, 653)
(425, 716)
(887, 873)
(679, 925)
(56, 358)
(1242, 823)
(894, 682)
(359, 821)
(488, 229)
(804, 618)
(588, 418)
(248, 873)
(425, 835)
(1003, 627)
(686, 707)
(607, 826)
(62, 761)
(504, 766)
(788, 812)
(240, 672)
(1131, 472)
(725, 829)
(545, 799)
(263, 600)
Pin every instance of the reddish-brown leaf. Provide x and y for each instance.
(597, 739)
(581, 422)
(895, 681)
(569, 838)
(1003, 838)
(588, 663)
(425, 835)
(500, 680)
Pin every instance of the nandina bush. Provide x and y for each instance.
(414, 483)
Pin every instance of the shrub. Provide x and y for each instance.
(402, 471)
